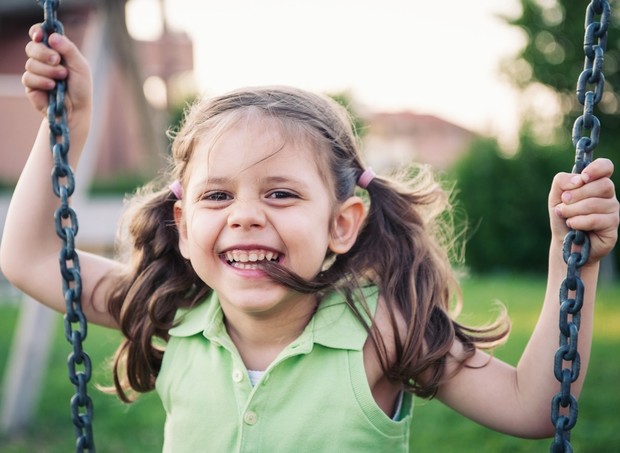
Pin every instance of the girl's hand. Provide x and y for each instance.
(44, 67)
(586, 202)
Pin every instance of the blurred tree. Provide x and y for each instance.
(488, 183)
(347, 101)
(553, 58)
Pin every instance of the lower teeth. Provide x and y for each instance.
(245, 265)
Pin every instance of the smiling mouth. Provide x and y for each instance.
(250, 259)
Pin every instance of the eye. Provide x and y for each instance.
(281, 195)
(216, 196)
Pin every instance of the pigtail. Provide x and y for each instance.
(404, 248)
(158, 282)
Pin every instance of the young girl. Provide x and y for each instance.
(268, 304)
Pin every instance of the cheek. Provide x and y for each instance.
(201, 234)
(308, 240)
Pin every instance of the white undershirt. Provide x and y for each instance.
(255, 376)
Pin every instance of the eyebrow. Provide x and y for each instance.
(221, 181)
(282, 179)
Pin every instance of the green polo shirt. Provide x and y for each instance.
(314, 397)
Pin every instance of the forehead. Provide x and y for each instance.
(241, 140)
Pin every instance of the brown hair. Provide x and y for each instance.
(402, 248)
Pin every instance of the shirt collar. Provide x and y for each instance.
(334, 325)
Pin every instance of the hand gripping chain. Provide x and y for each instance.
(576, 249)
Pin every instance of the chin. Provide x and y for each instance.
(264, 300)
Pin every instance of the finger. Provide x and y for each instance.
(598, 223)
(599, 168)
(591, 206)
(41, 52)
(73, 59)
(34, 82)
(36, 33)
(563, 182)
(599, 188)
(41, 69)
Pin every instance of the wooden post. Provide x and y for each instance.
(26, 365)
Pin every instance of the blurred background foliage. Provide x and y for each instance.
(490, 179)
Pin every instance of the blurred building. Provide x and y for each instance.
(394, 140)
(132, 86)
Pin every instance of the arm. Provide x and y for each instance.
(29, 248)
(517, 400)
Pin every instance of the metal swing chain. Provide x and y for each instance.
(576, 247)
(65, 218)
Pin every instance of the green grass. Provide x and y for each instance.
(598, 425)
(117, 427)
(139, 427)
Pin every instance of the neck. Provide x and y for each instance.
(259, 338)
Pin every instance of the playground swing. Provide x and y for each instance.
(575, 250)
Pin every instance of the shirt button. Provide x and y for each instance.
(237, 375)
(250, 417)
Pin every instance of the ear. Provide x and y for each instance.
(181, 224)
(346, 225)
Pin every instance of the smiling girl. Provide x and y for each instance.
(273, 309)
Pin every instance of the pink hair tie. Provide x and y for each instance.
(177, 189)
(366, 178)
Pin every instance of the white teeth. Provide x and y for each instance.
(244, 259)
(245, 265)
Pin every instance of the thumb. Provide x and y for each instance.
(79, 77)
(73, 59)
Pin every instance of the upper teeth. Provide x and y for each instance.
(250, 256)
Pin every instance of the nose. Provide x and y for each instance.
(246, 214)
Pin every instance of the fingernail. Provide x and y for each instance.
(54, 38)
(558, 211)
(566, 197)
(585, 177)
(575, 179)
(54, 59)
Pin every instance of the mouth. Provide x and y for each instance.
(250, 259)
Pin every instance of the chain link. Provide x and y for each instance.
(576, 248)
(65, 219)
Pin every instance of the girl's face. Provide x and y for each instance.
(253, 196)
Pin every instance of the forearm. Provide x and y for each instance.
(536, 380)
(29, 241)
(526, 390)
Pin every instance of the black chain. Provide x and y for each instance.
(576, 248)
(63, 185)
